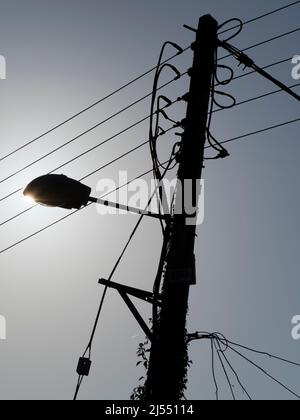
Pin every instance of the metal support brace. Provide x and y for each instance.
(124, 291)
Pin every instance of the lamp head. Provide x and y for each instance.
(58, 191)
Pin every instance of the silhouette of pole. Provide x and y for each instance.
(168, 357)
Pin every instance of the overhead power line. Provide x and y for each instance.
(280, 9)
(109, 193)
(225, 371)
(88, 108)
(134, 149)
(256, 98)
(261, 369)
(126, 108)
(272, 12)
(267, 41)
(276, 63)
(84, 133)
(236, 375)
(102, 143)
(90, 174)
(223, 346)
(207, 147)
(143, 144)
(111, 138)
(263, 130)
(116, 114)
(134, 80)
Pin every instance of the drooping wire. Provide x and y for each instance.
(263, 130)
(263, 353)
(165, 248)
(78, 386)
(153, 132)
(219, 340)
(88, 349)
(265, 372)
(256, 98)
(213, 142)
(233, 370)
(239, 28)
(213, 369)
(154, 128)
(225, 372)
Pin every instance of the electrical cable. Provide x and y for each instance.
(70, 214)
(88, 108)
(219, 339)
(264, 354)
(267, 41)
(263, 130)
(86, 132)
(262, 16)
(234, 372)
(265, 372)
(88, 175)
(259, 97)
(240, 76)
(130, 83)
(272, 12)
(239, 28)
(207, 147)
(89, 346)
(89, 150)
(237, 77)
(213, 369)
(213, 142)
(154, 134)
(225, 372)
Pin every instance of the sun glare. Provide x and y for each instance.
(29, 198)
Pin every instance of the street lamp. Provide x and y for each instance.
(61, 191)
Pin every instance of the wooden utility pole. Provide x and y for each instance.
(169, 357)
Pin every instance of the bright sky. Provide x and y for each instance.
(62, 56)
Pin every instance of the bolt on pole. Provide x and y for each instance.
(167, 370)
